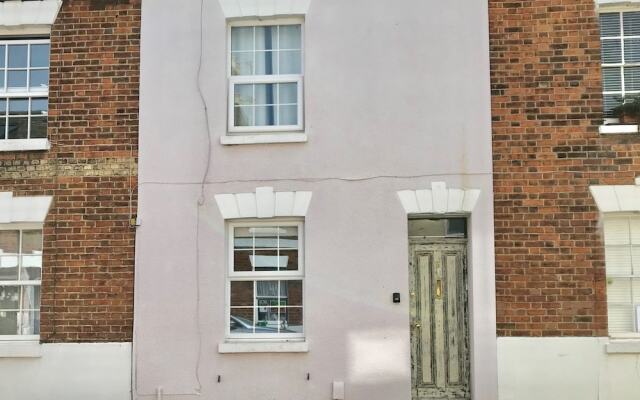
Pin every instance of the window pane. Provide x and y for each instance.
(8, 268)
(38, 128)
(39, 79)
(611, 51)
(8, 322)
(242, 260)
(32, 242)
(40, 55)
(635, 230)
(636, 290)
(290, 62)
(265, 116)
(30, 322)
(3, 107)
(620, 318)
(243, 116)
(265, 93)
(2, 59)
(290, 37)
(3, 128)
(243, 95)
(39, 106)
(268, 319)
(631, 50)
(427, 227)
(18, 128)
(612, 79)
(610, 24)
(9, 297)
(266, 37)
(288, 237)
(293, 290)
(242, 238)
(18, 107)
(1, 80)
(242, 294)
(242, 64)
(610, 101)
(288, 115)
(9, 241)
(292, 317)
(17, 79)
(31, 269)
(631, 23)
(18, 56)
(265, 260)
(265, 237)
(618, 290)
(30, 297)
(241, 320)
(631, 79)
(288, 93)
(635, 260)
(241, 38)
(618, 260)
(457, 227)
(266, 63)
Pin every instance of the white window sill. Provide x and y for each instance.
(618, 129)
(20, 349)
(624, 346)
(24, 144)
(263, 138)
(299, 346)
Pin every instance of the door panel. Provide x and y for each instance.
(439, 337)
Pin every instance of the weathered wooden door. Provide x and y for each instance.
(439, 320)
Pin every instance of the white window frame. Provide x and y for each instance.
(248, 79)
(635, 307)
(264, 275)
(28, 93)
(22, 227)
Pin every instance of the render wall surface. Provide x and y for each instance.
(383, 84)
(565, 369)
(90, 170)
(70, 371)
(546, 108)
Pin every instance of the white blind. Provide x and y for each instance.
(622, 258)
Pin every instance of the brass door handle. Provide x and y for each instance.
(439, 289)
(418, 325)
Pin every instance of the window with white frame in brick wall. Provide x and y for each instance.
(265, 77)
(24, 89)
(20, 277)
(622, 255)
(620, 46)
(265, 280)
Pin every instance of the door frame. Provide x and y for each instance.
(412, 266)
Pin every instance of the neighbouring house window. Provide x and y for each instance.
(620, 41)
(622, 254)
(265, 78)
(24, 88)
(266, 280)
(20, 275)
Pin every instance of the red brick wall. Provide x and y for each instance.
(547, 105)
(87, 287)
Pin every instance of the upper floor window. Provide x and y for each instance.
(265, 280)
(622, 256)
(24, 89)
(20, 275)
(620, 41)
(265, 78)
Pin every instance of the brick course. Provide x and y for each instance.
(87, 284)
(546, 108)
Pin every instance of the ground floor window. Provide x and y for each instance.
(622, 254)
(20, 277)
